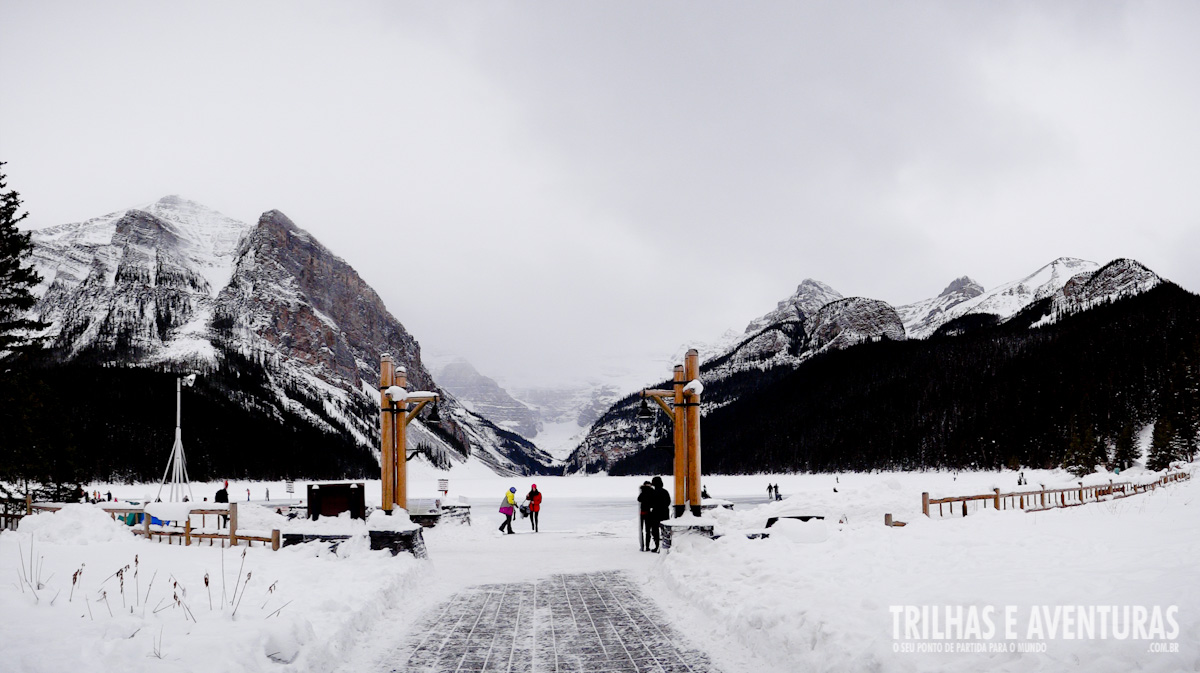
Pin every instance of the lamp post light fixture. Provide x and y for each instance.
(684, 412)
(395, 413)
(176, 463)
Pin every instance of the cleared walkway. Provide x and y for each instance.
(567, 623)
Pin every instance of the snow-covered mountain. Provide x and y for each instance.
(1004, 301)
(817, 319)
(808, 298)
(174, 285)
(488, 399)
(778, 347)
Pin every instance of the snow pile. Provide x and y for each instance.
(174, 511)
(795, 530)
(398, 522)
(75, 524)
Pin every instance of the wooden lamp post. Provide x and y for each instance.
(394, 417)
(684, 412)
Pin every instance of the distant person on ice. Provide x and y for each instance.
(508, 505)
(535, 505)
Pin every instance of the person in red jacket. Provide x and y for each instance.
(534, 498)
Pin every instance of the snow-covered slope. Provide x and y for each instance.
(178, 286)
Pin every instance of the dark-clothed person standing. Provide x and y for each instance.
(660, 509)
(646, 510)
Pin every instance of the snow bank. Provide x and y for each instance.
(75, 524)
(170, 511)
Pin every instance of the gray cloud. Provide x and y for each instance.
(549, 188)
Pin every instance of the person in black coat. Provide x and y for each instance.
(223, 496)
(646, 511)
(660, 509)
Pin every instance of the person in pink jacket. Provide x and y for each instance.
(508, 505)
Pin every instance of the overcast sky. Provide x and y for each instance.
(550, 188)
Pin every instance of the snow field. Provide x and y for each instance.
(815, 596)
(326, 599)
(808, 603)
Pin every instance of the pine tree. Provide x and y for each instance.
(16, 278)
(1084, 451)
(1125, 447)
(1161, 451)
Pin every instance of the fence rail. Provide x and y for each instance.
(185, 533)
(1043, 499)
(12, 509)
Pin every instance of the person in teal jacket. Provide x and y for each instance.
(508, 505)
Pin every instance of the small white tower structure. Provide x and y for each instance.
(176, 464)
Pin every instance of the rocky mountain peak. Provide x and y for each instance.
(963, 286)
(809, 297)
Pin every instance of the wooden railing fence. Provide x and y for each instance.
(12, 509)
(1043, 499)
(185, 534)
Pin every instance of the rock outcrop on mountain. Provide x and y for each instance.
(846, 322)
(1115, 280)
(485, 397)
(838, 324)
(174, 286)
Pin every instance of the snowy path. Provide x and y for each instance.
(595, 622)
(574, 597)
